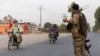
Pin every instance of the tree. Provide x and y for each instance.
(97, 18)
(5, 19)
(89, 28)
(94, 28)
(10, 17)
(62, 28)
(47, 25)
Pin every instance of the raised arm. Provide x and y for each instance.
(73, 20)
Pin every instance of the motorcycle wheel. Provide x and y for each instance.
(10, 45)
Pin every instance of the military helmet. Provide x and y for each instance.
(75, 6)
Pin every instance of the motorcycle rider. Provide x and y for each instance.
(53, 28)
(56, 31)
(16, 31)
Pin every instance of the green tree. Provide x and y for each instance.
(97, 18)
(62, 28)
(10, 17)
(89, 28)
(47, 25)
(94, 28)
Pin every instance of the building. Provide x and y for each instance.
(32, 28)
(5, 23)
(4, 28)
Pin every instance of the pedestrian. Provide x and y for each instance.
(78, 36)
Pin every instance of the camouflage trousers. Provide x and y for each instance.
(79, 45)
(78, 42)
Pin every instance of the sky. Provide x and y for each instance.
(53, 10)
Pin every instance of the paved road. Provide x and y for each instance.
(38, 45)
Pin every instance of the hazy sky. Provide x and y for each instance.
(27, 10)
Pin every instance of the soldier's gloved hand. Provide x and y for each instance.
(64, 20)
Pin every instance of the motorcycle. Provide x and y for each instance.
(53, 37)
(13, 41)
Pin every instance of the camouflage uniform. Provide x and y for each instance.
(78, 39)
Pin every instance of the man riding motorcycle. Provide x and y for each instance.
(55, 30)
(16, 30)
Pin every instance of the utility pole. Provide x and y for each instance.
(40, 8)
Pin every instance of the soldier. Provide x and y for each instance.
(78, 38)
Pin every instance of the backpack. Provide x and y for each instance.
(83, 26)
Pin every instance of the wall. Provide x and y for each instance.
(3, 28)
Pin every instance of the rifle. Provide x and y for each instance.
(87, 47)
